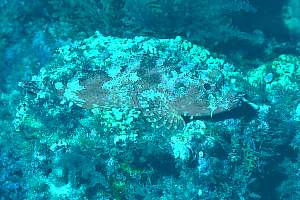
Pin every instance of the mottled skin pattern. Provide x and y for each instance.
(162, 96)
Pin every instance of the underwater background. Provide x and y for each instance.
(150, 99)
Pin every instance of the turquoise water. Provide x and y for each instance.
(150, 99)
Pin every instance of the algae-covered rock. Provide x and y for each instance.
(285, 72)
(104, 102)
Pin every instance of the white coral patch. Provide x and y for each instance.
(73, 87)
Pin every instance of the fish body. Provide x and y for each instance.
(159, 95)
(163, 80)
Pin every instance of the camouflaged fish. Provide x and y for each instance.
(164, 79)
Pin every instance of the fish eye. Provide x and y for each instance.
(207, 86)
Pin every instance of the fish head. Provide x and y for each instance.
(211, 93)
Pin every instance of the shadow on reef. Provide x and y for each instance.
(267, 26)
(268, 18)
(265, 185)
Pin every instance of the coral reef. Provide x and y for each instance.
(130, 95)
